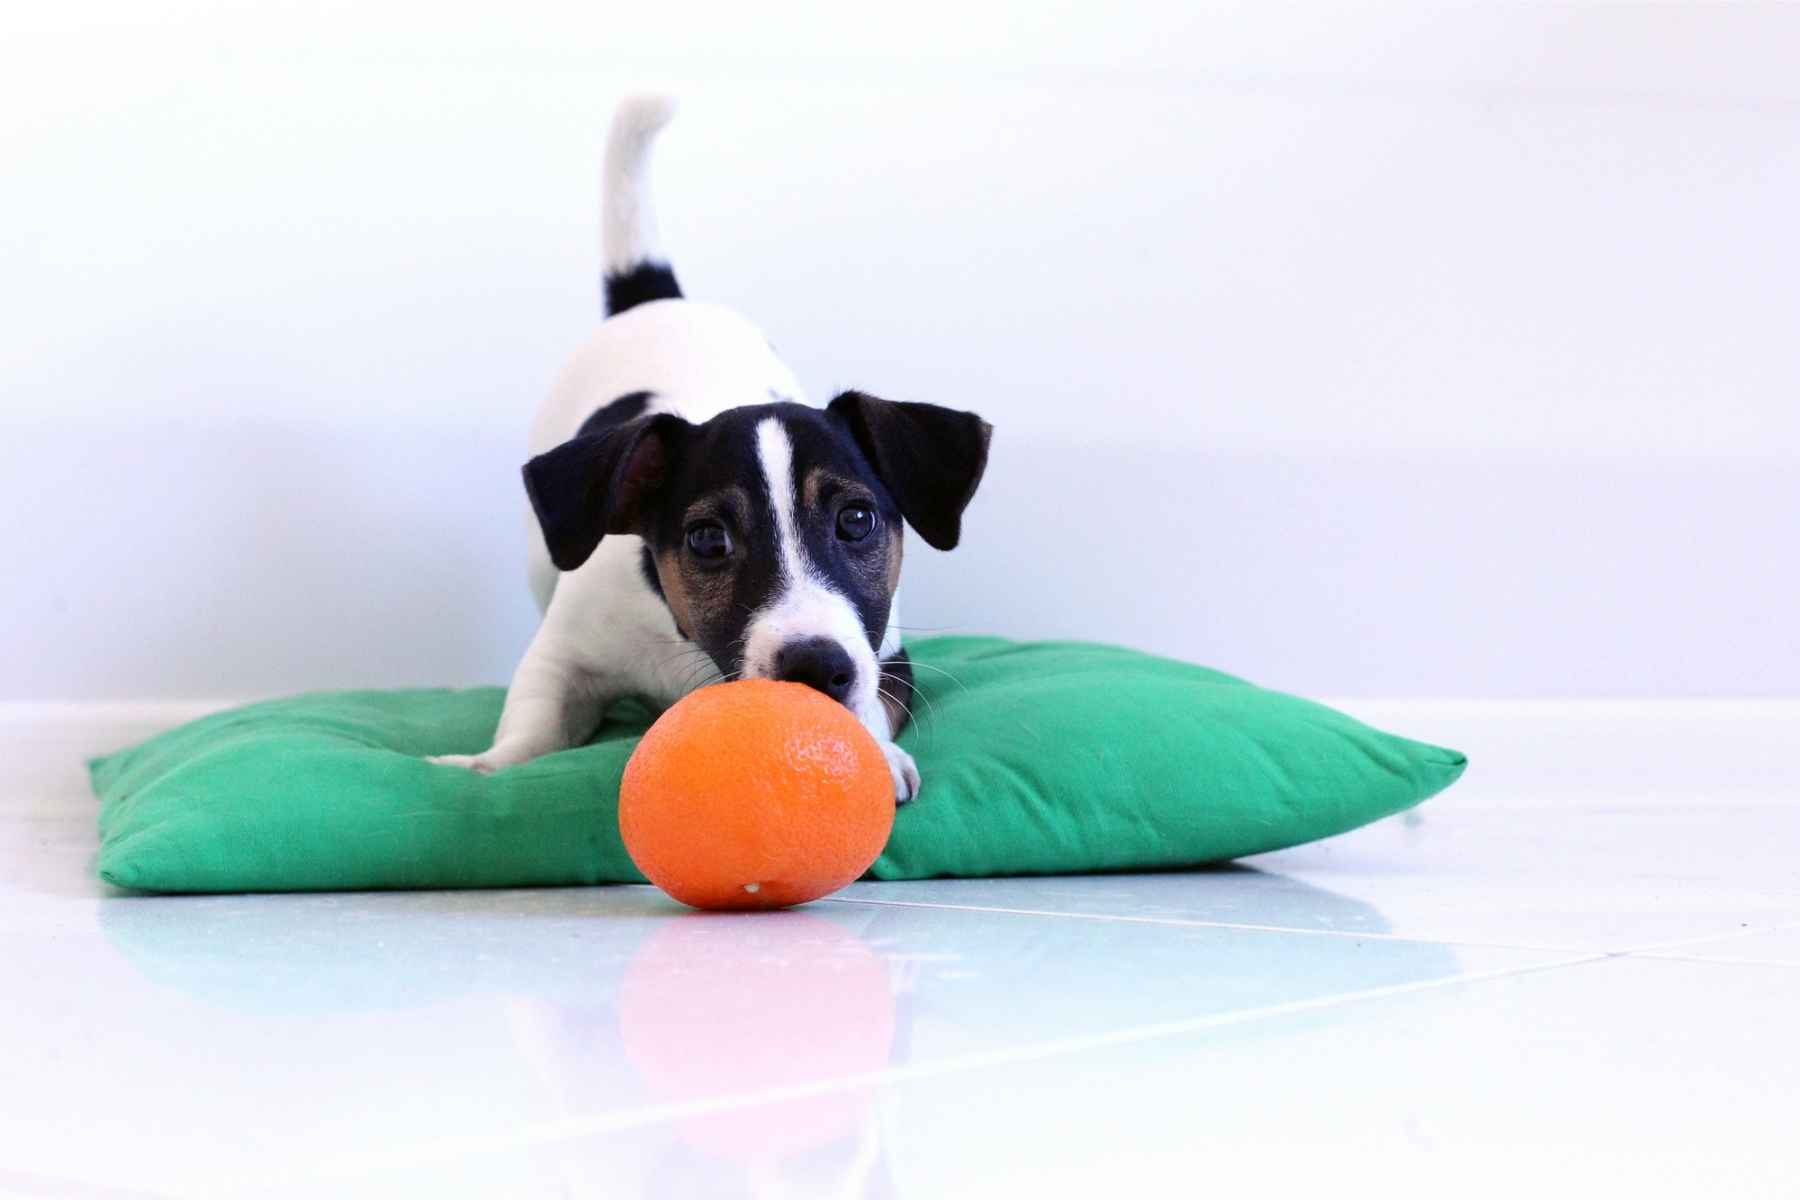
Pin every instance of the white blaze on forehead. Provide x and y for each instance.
(804, 605)
(776, 454)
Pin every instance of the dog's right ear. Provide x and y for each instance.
(598, 484)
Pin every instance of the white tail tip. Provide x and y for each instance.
(628, 229)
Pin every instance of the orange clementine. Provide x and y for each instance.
(755, 794)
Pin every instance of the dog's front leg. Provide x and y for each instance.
(900, 766)
(553, 703)
(886, 714)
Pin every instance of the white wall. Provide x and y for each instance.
(1359, 349)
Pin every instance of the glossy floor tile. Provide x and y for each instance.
(1616, 1077)
(1752, 946)
(1599, 877)
(1595, 998)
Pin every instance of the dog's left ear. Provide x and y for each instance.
(929, 458)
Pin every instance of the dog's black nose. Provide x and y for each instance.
(818, 663)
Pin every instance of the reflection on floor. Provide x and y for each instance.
(1479, 997)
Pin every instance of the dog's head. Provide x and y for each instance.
(773, 532)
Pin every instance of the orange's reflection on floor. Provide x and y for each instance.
(714, 1006)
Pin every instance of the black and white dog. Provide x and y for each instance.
(693, 510)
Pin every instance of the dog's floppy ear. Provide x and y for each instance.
(597, 484)
(929, 458)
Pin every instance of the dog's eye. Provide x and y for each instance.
(855, 523)
(708, 539)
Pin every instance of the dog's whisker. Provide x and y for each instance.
(690, 655)
(699, 671)
(697, 666)
(912, 714)
(930, 704)
(898, 703)
(929, 725)
(927, 729)
(948, 675)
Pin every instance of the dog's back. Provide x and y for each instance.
(678, 356)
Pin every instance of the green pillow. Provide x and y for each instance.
(1036, 758)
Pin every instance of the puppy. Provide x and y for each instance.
(697, 521)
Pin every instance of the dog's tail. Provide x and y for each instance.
(636, 271)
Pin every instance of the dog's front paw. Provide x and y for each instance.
(481, 764)
(904, 770)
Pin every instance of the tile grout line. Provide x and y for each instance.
(1196, 923)
(446, 1150)
(1655, 951)
(1696, 960)
(1648, 949)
